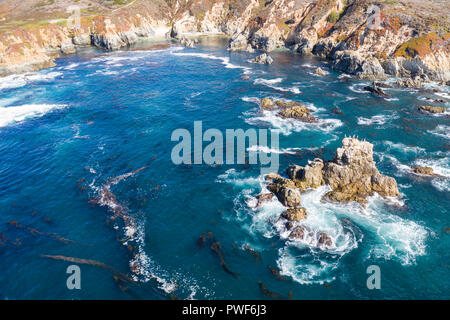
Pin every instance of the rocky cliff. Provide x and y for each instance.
(367, 38)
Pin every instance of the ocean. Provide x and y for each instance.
(91, 138)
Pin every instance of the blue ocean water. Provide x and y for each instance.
(65, 132)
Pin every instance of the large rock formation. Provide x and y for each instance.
(288, 109)
(352, 175)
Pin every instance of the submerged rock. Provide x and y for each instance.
(432, 109)
(263, 59)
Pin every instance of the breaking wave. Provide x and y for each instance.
(10, 115)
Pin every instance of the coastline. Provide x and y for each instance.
(350, 43)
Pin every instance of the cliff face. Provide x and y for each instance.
(367, 38)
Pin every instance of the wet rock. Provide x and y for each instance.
(267, 104)
(298, 233)
(423, 170)
(294, 214)
(298, 112)
(67, 47)
(263, 59)
(263, 198)
(188, 43)
(432, 109)
(320, 72)
(375, 89)
(324, 240)
(309, 176)
(286, 192)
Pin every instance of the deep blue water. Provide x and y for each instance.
(66, 131)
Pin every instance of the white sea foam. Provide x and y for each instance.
(11, 115)
(271, 84)
(20, 80)
(308, 262)
(403, 148)
(225, 60)
(287, 126)
(442, 131)
(378, 120)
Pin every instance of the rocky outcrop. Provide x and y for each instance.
(352, 175)
(367, 38)
(423, 170)
(289, 109)
(263, 59)
(433, 109)
(294, 214)
(376, 90)
(286, 192)
(298, 112)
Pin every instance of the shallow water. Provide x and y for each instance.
(66, 131)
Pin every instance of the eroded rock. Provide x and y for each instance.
(263, 59)
(294, 214)
(433, 109)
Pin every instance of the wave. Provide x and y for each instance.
(225, 60)
(347, 224)
(378, 120)
(21, 80)
(442, 131)
(287, 126)
(271, 84)
(403, 148)
(9, 115)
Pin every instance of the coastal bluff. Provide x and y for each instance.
(365, 38)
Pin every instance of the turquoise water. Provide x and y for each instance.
(66, 131)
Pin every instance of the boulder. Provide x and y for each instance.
(263, 59)
(286, 192)
(324, 240)
(294, 214)
(375, 89)
(320, 72)
(353, 176)
(267, 104)
(423, 170)
(298, 112)
(188, 43)
(263, 198)
(432, 109)
(298, 233)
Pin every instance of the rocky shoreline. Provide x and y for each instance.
(402, 43)
(351, 175)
